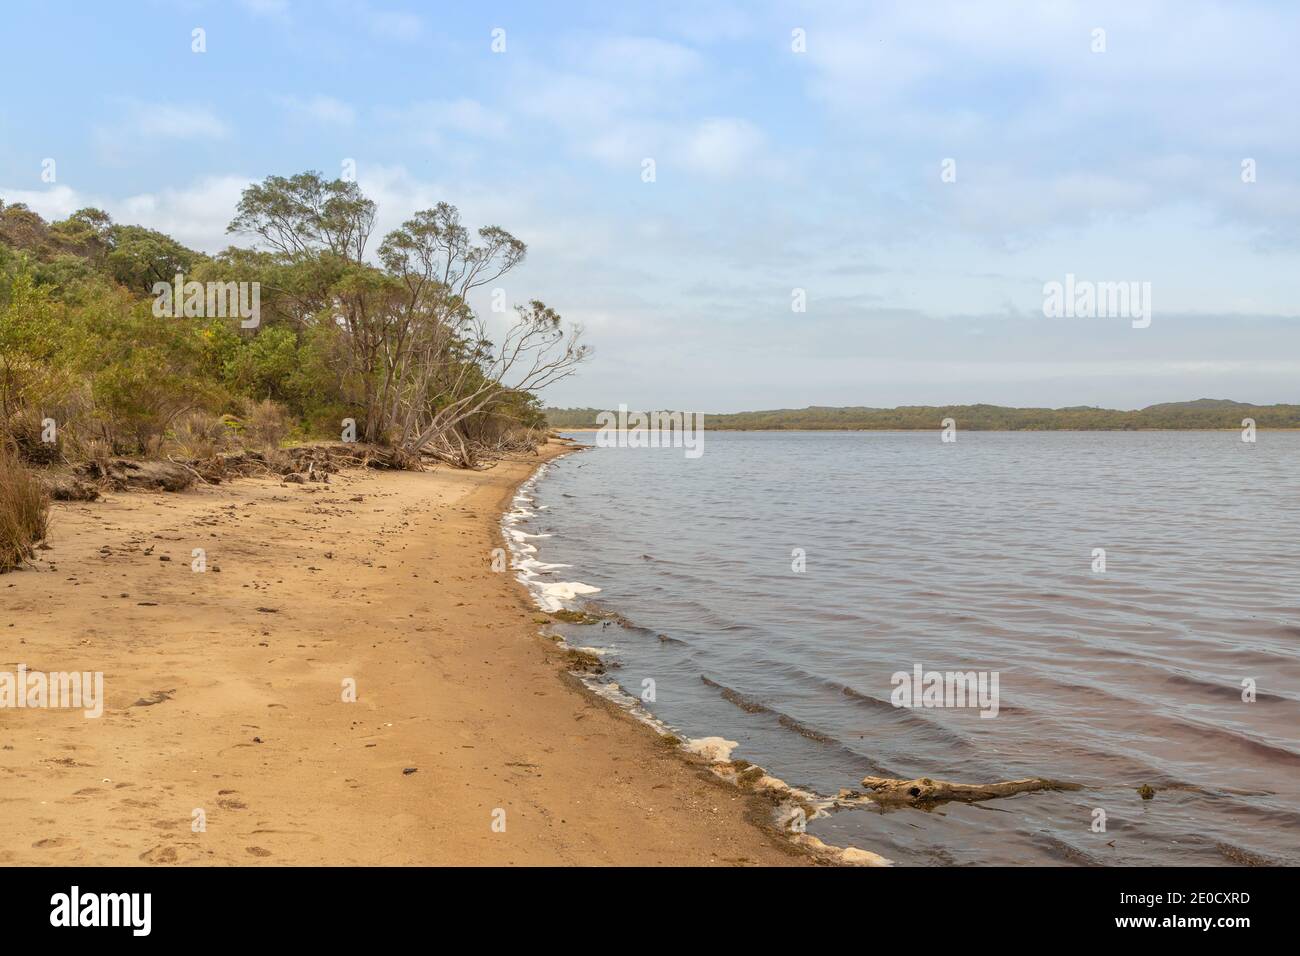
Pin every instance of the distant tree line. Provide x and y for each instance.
(1203, 413)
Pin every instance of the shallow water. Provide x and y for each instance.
(972, 556)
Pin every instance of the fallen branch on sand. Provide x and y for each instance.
(123, 474)
(193, 471)
(925, 792)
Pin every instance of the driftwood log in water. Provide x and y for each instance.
(925, 791)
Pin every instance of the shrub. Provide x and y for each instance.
(266, 424)
(24, 509)
(26, 430)
(200, 435)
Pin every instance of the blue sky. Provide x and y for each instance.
(775, 170)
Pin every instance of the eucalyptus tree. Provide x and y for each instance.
(421, 360)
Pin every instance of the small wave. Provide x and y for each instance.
(1219, 689)
(1237, 738)
(1065, 852)
(751, 706)
(732, 697)
(803, 730)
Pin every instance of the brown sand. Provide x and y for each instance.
(246, 665)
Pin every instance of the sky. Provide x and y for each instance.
(914, 172)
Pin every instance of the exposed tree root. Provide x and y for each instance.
(72, 489)
(124, 473)
(925, 792)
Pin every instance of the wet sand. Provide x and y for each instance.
(224, 694)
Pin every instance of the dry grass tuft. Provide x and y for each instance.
(26, 430)
(24, 509)
(266, 424)
(199, 436)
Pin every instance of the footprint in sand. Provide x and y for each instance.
(257, 851)
(160, 854)
(49, 844)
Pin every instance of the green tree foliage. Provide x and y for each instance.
(267, 366)
(65, 253)
(138, 257)
(35, 354)
(390, 341)
(408, 352)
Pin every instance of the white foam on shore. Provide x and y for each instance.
(790, 801)
(548, 595)
(843, 855)
(552, 596)
(539, 567)
(712, 749)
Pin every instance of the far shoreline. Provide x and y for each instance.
(1202, 414)
(922, 431)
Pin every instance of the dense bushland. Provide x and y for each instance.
(89, 366)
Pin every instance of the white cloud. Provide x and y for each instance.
(143, 125)
(58, 202)
(174, 121)
(621, 99)
(719, 147)
(270, 9)
(431, 121)
(321, 109)
(635, 57)
(391, 25)
(195, 216)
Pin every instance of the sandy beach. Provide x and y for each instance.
(224, 693)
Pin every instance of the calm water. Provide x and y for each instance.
(972, 556)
